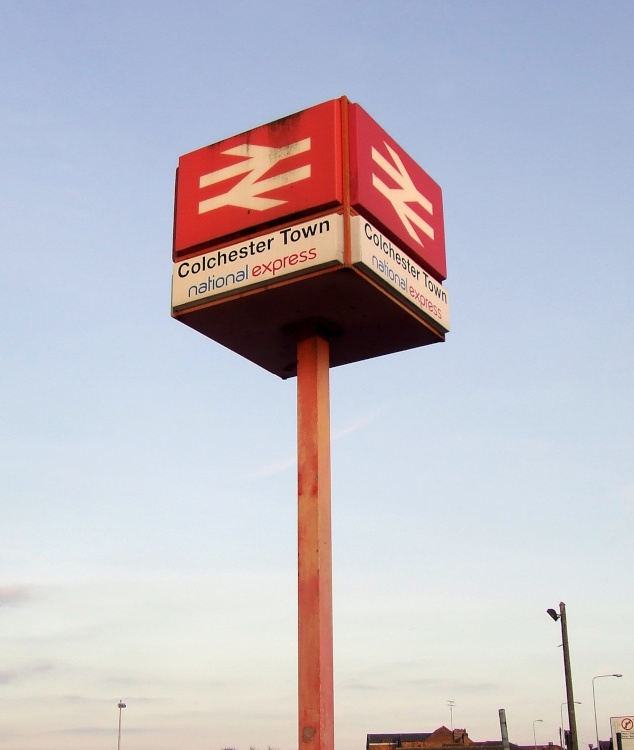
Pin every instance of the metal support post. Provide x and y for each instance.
(316, 690)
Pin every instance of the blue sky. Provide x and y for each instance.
(148, 547)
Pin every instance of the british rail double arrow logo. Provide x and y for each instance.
(402, 196)
(248, 192)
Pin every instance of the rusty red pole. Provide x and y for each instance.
(316, 693)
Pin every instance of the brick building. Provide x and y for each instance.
(441, 738)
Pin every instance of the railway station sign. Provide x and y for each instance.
(319, 218)
(314, 238)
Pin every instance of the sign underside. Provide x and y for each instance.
(361, 320)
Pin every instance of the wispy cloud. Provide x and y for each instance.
(360, 687)
(399, 676)
(290, 462)
(274, 467)
(40, 668)
(471, 685)
(14, 675)
(357, 423)
(10, 595)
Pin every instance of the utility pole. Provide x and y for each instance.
(572, 722)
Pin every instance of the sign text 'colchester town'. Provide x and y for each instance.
(287, 252)
(376, 255)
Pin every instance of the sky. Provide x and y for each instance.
(148, 475)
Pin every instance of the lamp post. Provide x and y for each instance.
(121, 706)
(594, 701)
(561, 712)
(451, 704)
(572, 722)
(534, 735)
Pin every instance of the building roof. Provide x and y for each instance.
(440, 738)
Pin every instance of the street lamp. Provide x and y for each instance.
(572, 723)
(121, 706)
(562, 736)
(594, 701)
(534, 735)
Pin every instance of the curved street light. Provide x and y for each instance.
(594, 701)
(121, 706)
(534, 735)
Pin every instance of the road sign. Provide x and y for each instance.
(389, 187)
(624, 725)
(622, 730)
(259, 178)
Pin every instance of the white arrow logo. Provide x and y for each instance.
(403, 195)
(247, 193)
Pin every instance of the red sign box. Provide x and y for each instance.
(388, 187)
(275, 172)
(260, 201)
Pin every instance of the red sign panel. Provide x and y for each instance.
(388, 187)
(285, 169)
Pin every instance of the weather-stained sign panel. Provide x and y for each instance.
(389, 187)
(259, 178)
